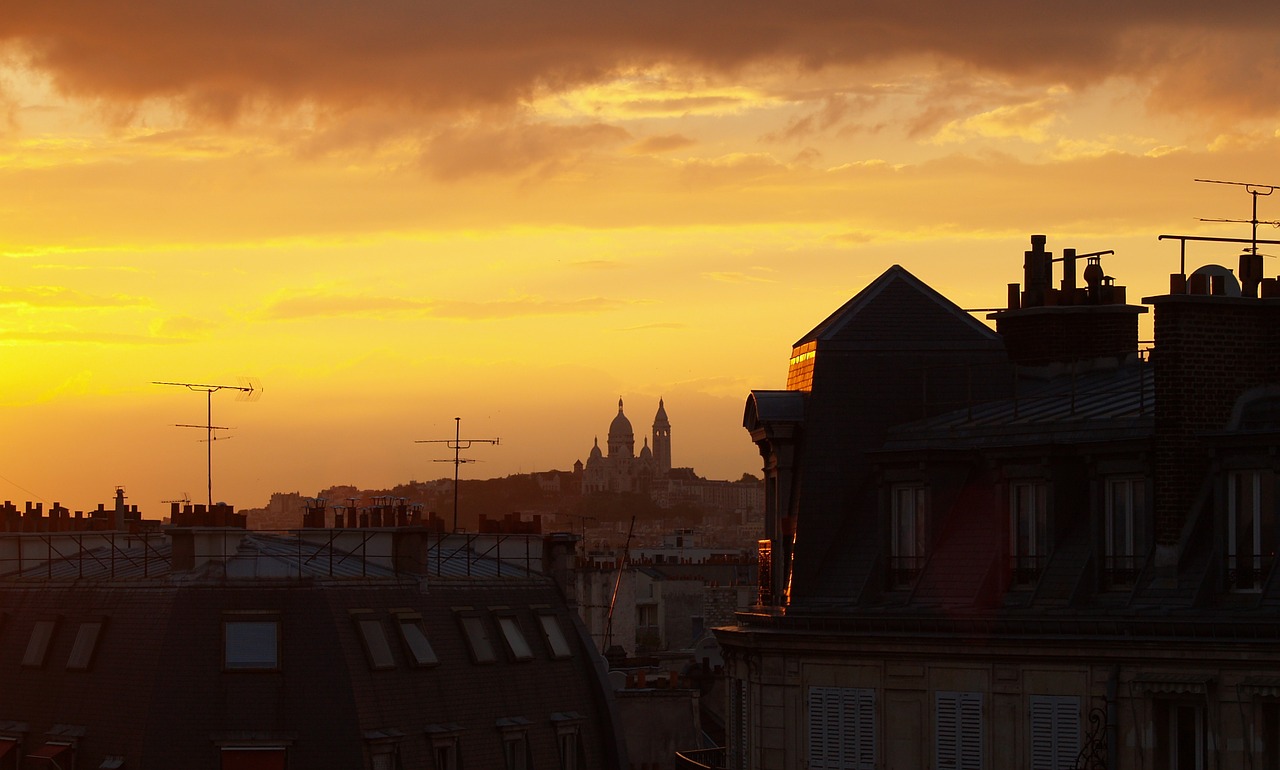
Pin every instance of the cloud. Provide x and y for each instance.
(80, 337)
(1028, 121)
(646, 327)
(218, 61)
(735, 277)
(61, 297)
(514, 150)
(655, 144)
(322, 305)
(184, 327)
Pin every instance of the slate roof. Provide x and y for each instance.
(1099, 404)
(142, 557)
(157, 692)
(899, 310)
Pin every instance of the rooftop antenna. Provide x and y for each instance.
(457, 444)
(1255, 190)
(249, 390)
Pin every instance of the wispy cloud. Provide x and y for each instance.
(61, 297)
(646, 327)
(81, 337)
(736, 277)
(655, 144)
(336, 305)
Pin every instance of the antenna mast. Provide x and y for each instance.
(457, 444)
(1254, 190)
(249, 390)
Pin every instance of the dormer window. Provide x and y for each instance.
(1250, 534)
(1126, 539)
(909, 537)
(1028, 530)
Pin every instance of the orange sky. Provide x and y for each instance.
(400, 212)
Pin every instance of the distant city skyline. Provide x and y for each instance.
(399, 216)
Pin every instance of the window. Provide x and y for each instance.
(800, 367)
(415, 640)
(910, 535)
(1180, 735)
(445, 740)
(515, 743)
(1250, 534)
(1055, 732)
(251, 644)
(8, 753)
(554, 635)
(374, 636)
(38, 644)
(516, 642)
(958, 731)
(86, 641)
(738, 728)
(477, 639)
(1126, 529)
(253, 758)
(1028, 530)
(568, 725)
(842, 728)
(515, 751)
(54, 754)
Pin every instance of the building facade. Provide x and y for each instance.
(1035, 547)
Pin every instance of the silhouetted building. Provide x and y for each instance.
(210, 646)
(622, 469)
(1032, 549)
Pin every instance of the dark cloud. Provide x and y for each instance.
(217, 59)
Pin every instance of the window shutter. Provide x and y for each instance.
(958, 730)
(1055, 731)
(865, 729)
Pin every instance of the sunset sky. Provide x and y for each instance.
(395, 213)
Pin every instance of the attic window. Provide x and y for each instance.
(38, 644)
(516, 642)
(477, 639)
(374, 636)
(86, 642)
(415, 641)
(254, 758)
(52, 754)
(554, 635)
(251, 644)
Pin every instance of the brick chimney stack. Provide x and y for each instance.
(1210, 349)
(1044, 325)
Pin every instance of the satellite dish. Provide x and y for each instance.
(1230, 286)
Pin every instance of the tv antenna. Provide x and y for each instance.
(249, 389)
(457, 444)
(1254, 190)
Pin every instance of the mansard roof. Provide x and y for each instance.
(898, 310)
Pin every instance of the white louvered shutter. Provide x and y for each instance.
(958, 730)
(842, 728)
(1055, 732)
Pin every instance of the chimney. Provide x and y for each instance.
(1045, 326)
(1210, 349)
(118, 515)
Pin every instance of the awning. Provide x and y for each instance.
(1173, 684)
